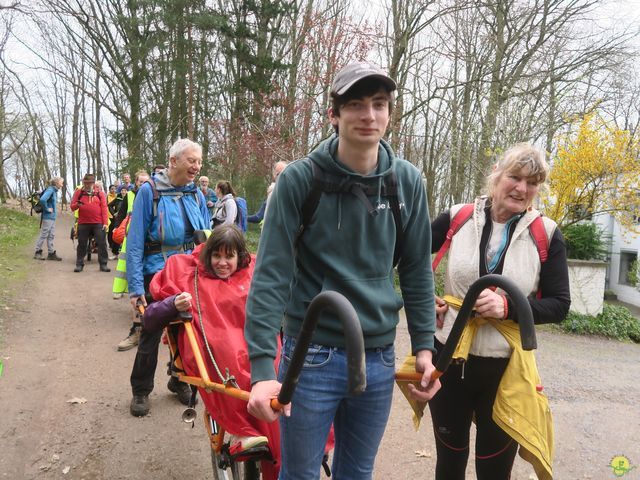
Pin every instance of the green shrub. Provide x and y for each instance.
(585, 241)
(614, 322)
(632, 276)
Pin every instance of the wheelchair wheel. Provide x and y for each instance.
(236, 471)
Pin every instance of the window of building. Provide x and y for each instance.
(626, 261)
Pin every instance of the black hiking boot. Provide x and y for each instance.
(139, 405)
(182, 389)
(53, 256)
(38, 255)
(78, 268)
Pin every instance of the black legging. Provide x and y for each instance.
(468, 391)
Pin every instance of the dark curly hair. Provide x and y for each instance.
(230, 239)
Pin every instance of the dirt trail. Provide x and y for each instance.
(59, 343)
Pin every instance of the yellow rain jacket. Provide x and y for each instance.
(519, 409)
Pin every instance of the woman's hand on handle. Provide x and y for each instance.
(183, 302)
(441, 309)
(428, 387)
(260, 401)
(490, 304)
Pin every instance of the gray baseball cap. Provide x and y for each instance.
(354, 72)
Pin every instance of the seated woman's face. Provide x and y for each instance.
(224, 263)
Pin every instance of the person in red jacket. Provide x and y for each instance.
(93, 219)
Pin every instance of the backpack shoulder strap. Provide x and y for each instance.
(323, 182)
(313, 198)
(458, 220)
(391, 187)
(539, 234)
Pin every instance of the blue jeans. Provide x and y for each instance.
(320, 399)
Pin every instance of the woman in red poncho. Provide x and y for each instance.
(214, 281)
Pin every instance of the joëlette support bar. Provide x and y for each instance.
(333, 301)
(354, 343)
(525, 321)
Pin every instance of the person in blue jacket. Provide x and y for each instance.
(348, 246)
(49, 200)
(166, 212)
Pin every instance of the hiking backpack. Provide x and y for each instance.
(34, 201)
(241, 215)
(324, 182)
(156, 247)
(536, 230)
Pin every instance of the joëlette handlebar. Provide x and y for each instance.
(524, 315)
(354, 345)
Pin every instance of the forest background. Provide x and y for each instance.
(106, 86)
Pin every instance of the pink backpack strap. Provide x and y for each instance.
(539, 234)
(456, 223)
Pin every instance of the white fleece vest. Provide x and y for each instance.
(521, 265)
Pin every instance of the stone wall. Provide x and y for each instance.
(586, 281)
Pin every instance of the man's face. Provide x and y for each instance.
(59, 183)
(363, 121)
(87, 185)
(126, 178)
(186, 166)
(204, 183)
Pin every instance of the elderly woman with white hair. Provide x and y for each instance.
(500, 233)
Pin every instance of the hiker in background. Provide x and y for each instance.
(226, 209)
(120, 286)
(277, 169)
(126, 182)
(208, 193)
(167, 210)
(158, 168)
(259, 215)
(49, 201)
(113, 204)
(93, 219)
(381, 191)
(495, 239)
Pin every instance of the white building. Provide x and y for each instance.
(623, 251)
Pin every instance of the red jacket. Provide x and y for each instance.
(92, 207)
(223, 308)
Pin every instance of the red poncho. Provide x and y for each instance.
(222, 304)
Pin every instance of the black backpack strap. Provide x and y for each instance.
(311, 202)
(323, 182)
(391, 186)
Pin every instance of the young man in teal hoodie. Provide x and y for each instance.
(347, 246)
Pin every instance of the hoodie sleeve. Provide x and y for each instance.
(414, 269)
(270, 287)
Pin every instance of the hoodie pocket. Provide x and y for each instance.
(374, 299)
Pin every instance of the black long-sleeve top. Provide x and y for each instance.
(555, 300)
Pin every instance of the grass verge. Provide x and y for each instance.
(17, 230)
